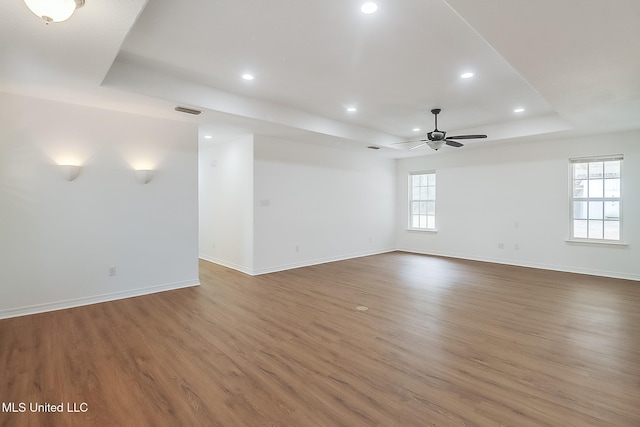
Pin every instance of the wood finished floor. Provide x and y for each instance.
(445, 342)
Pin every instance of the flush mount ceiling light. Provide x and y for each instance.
(416, 129)
(248, 76)
(54, 10)
(369, 8)
(466, 75)
(352, 109)
(519, 110)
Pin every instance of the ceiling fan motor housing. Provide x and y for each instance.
(436, 135)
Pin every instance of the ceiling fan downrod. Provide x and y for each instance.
(435, 112)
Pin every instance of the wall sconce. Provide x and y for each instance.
(144, 176)
(70, 172)
(54, 10)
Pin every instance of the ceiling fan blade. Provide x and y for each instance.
(467, 137)
(453, 143)
(418, 146)
(409, 142)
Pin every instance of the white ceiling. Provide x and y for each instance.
(573, 65)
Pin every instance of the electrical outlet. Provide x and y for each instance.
(112, 271)
(500, 245)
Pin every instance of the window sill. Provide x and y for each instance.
(596, 242)
(423, 230)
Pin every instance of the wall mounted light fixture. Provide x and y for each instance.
(54, 10)
(70, 172)
(144, 176)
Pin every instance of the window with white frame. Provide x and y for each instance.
(422, 200)
(596, 202)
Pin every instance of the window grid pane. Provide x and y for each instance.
(595, 188)
(612, 169)
(595, 170)
(612, 187)
(580, 229)
(612, 230)
(580, 188)
(596, 229)
(596, 199)
(580, 210)
(422, 196)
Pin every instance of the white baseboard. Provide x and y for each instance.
(78, 302)
(552, 267)
(290, 266)
(307, 263)
(227, 264)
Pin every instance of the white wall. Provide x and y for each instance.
(226, 203)
(59, 238)
(316, 203)
(518, 195)
(269, 204)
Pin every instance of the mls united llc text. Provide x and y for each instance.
(69, 407)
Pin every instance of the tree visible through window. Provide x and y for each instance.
(422, 200)
(596, 198)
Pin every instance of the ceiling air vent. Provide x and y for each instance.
(188, 110)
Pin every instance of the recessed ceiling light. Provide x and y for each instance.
(369, 8)
(248, 76)
(352, 109)
(518, 110)
(416, 129)
(466, 75)
(208, 137)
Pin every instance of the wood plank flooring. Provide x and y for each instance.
(444, 343)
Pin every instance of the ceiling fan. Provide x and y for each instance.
(436, 138)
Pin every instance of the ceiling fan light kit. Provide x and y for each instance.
(437, 138)
(435, 145)
(54, 10)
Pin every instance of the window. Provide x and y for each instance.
(596, 199)
(422, 200)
